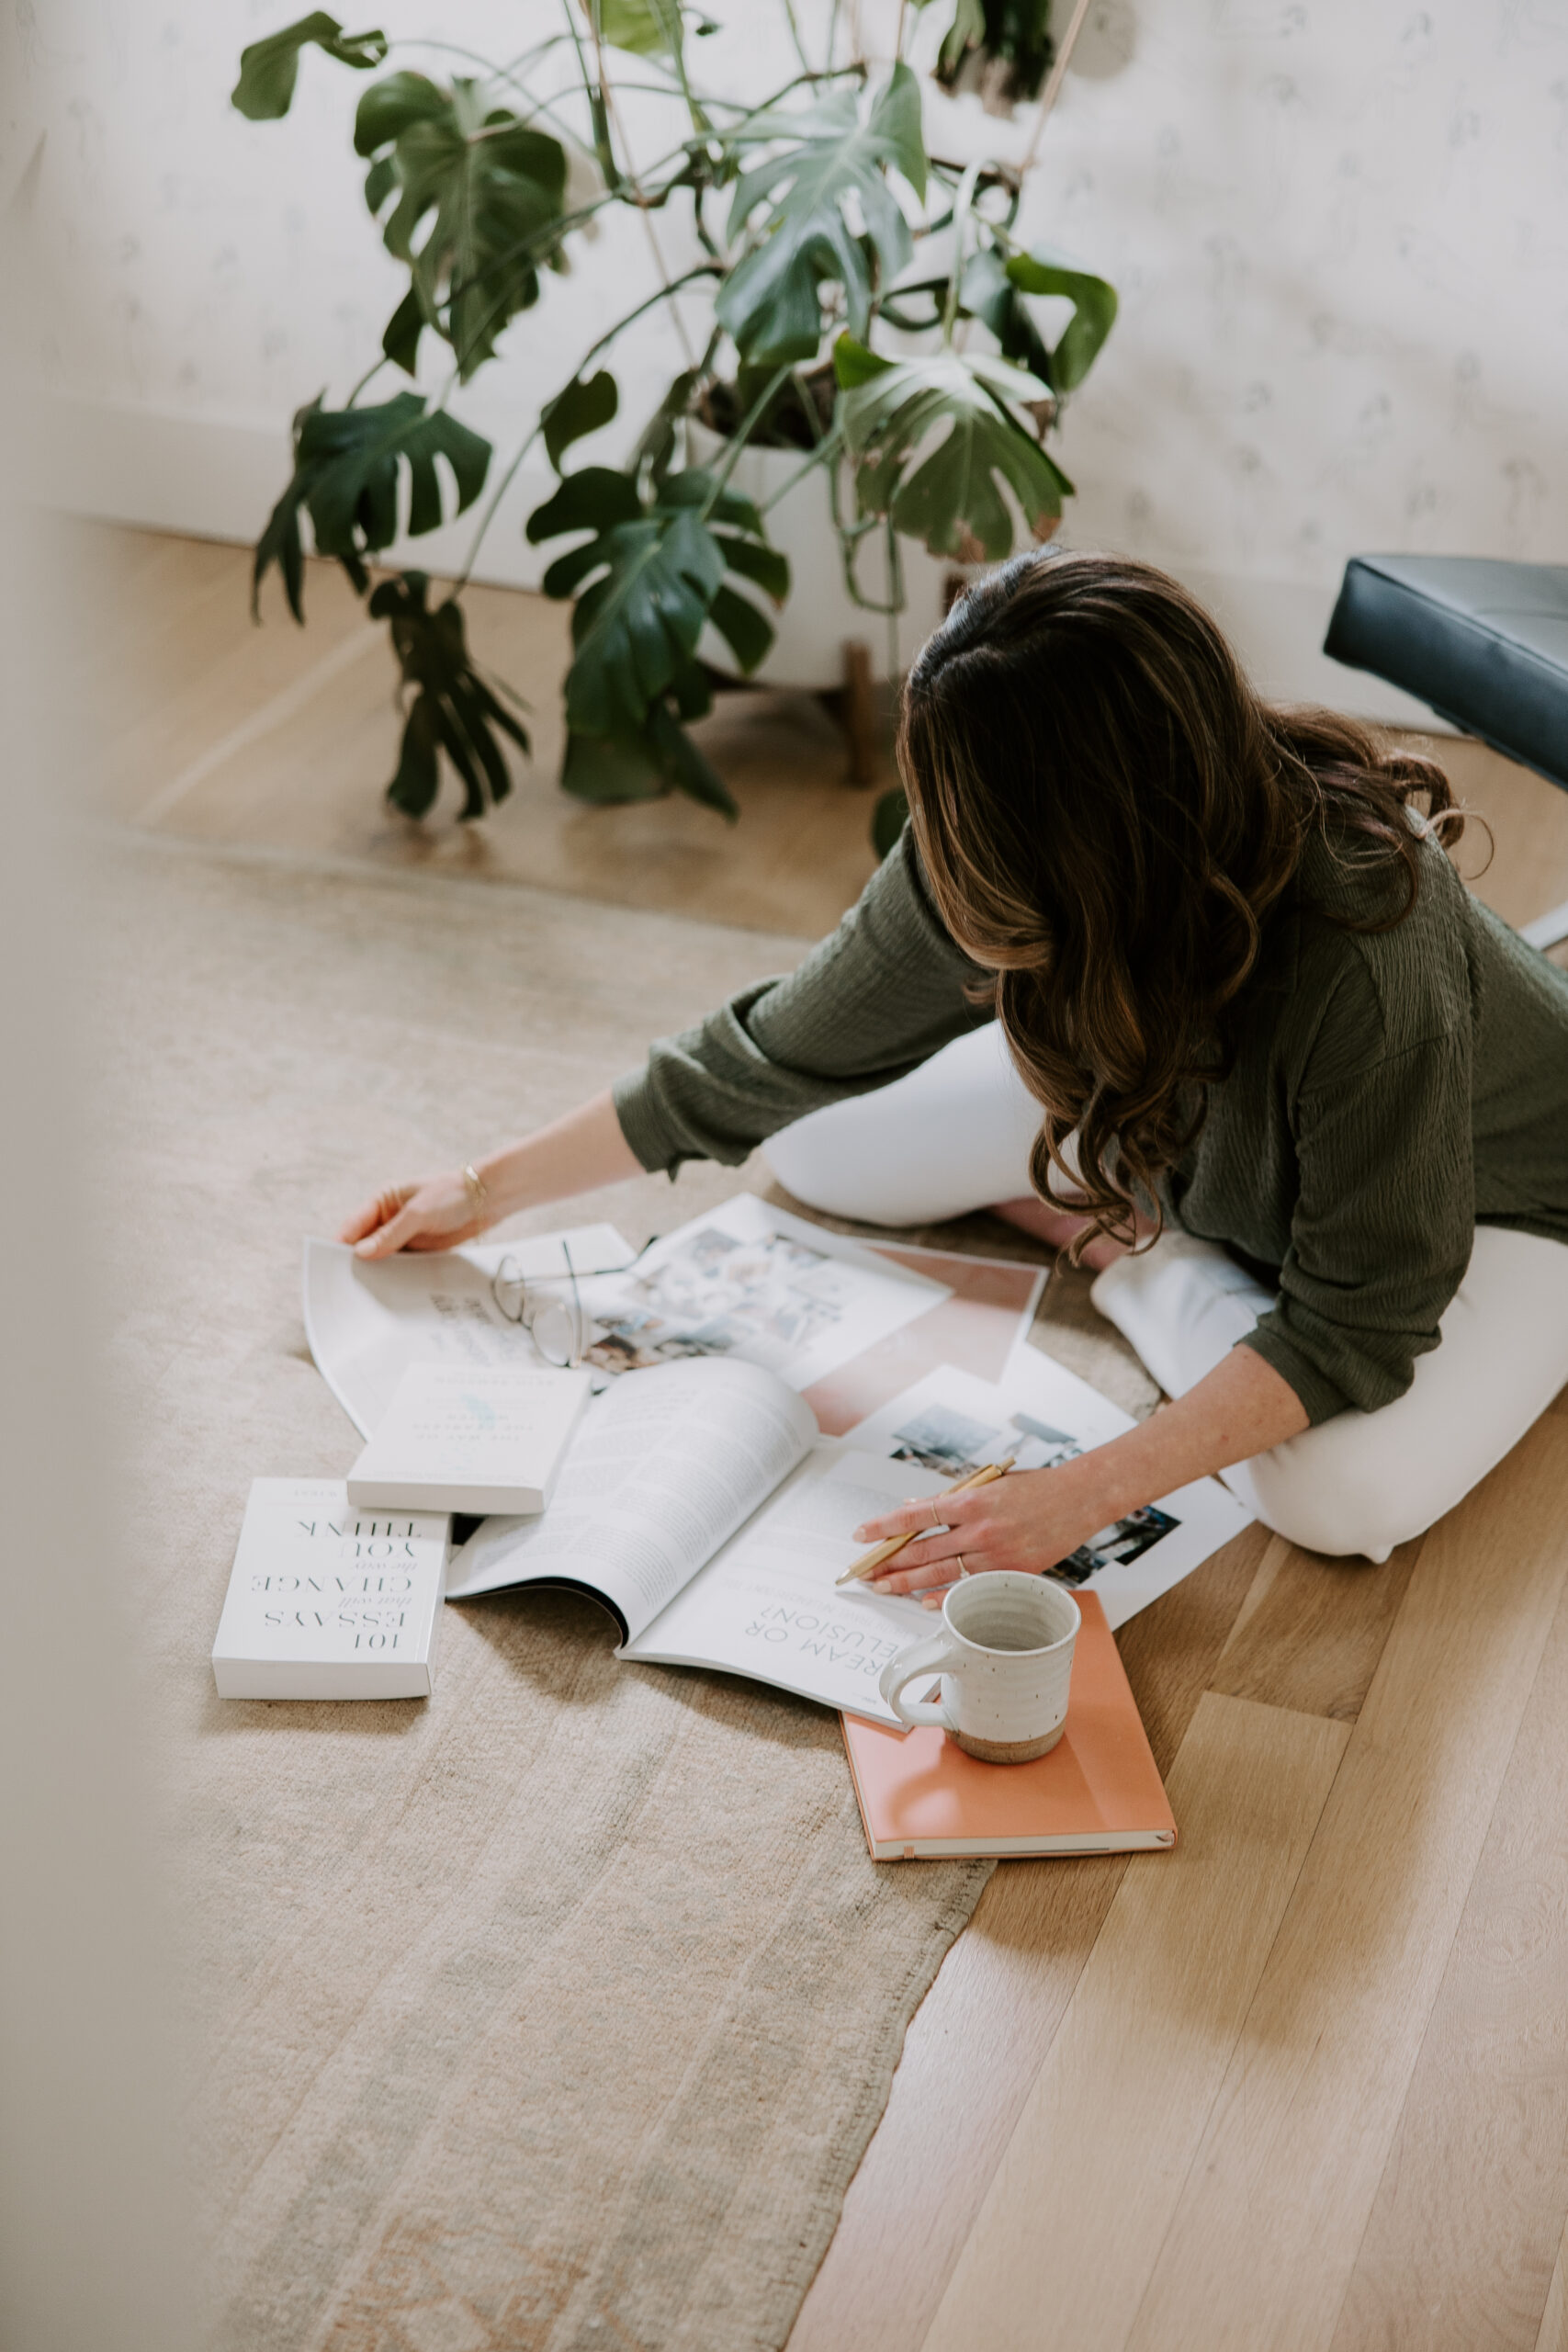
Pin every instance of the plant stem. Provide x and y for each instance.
(962, 204)
(370, 373)
(793, 24)
(803, 395)
(849, 534)
(541, 106)
(1052, 91)
(824, 454)
(896, 600)
(607, 99)
(594, 94)
(702, 269)
(694, 111)
(765, 106)
(526, 56)
(527, 248)
(488, 517)
(738, 440)
(698, 269)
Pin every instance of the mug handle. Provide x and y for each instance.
(930, 1657)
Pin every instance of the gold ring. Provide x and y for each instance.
(962, 1569)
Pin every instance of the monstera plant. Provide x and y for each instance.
(803, 219)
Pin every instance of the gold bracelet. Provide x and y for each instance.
(478, 1194)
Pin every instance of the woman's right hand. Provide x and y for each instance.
(435, 1213)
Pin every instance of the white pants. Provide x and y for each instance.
(955, 1136)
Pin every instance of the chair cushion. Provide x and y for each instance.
(1486, 643)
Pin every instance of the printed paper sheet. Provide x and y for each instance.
(1041, 1414)
(369, 1320)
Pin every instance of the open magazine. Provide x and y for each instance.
(699, 1505)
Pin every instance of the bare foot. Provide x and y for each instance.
(1058, 1228)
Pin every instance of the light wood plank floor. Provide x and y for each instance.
(1304, 2082)
(220, 730)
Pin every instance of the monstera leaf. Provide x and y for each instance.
(346, 465)
(1094, 314)
(833, 158)
(656, 448)
(584, 406)
(269, 68)
(993, 291)
(648, 27)
(482, 195)
(888, 820)
(454, 709)
(890, 410)
(648, 579)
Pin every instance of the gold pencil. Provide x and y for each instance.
(869, 1562)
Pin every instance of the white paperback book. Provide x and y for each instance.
(325, 1602)
(470, 1437)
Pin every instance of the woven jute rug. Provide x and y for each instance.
(555, 2012)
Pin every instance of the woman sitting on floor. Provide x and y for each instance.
(1186, 985)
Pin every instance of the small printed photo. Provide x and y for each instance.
(709, 1248)
(1037, 1446)
(1120, 1544)
(942, 1439)
(939, 1438)
(624, 1341)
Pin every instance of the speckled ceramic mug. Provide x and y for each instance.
(1005, 1656)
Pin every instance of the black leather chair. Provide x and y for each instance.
(1484, 643)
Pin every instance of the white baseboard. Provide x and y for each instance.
(211, 478)
(218, 478)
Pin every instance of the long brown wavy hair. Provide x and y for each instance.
(1107, 813)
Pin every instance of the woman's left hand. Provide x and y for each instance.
(1027, 1521)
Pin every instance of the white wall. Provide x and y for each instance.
(1339, 229)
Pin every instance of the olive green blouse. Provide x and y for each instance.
(1392, 1090)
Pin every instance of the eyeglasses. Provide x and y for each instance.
(556, 1324)
(559, 1326)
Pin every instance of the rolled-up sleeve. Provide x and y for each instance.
(879, 996)
(1383, 1226)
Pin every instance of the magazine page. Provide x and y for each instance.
(988, 1311)
(1041, 1414)
(770, 1605)
(369, 1320)
(749, 1281)
(663, 1470)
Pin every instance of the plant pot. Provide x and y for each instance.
(820, 618)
